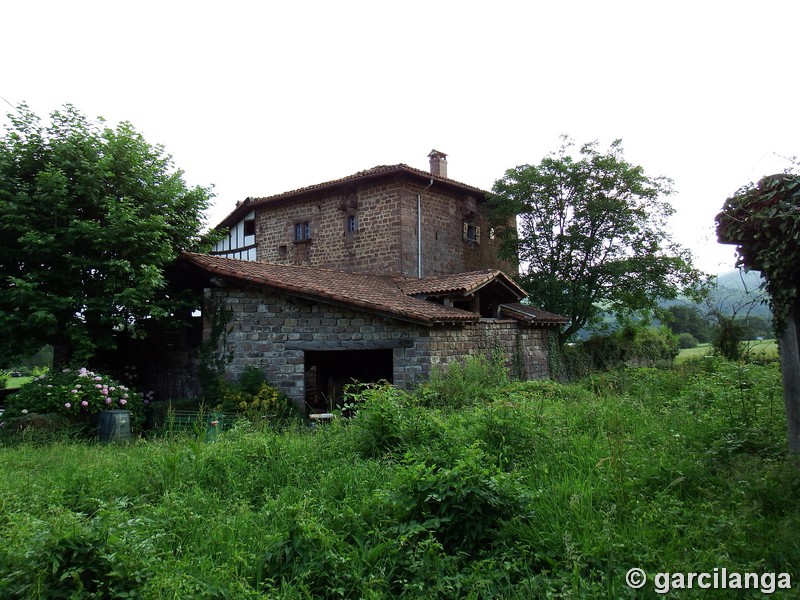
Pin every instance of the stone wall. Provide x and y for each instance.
(272, 331)
(524, 348)
(386, 237)
(444, 250)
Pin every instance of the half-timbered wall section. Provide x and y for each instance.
(240, 242)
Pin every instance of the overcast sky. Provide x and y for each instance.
(258, 98)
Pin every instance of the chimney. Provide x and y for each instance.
(438, 163)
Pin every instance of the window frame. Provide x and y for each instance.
(302, 231)
(474, 230)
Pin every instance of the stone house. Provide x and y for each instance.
(380, 275)
(392, 219)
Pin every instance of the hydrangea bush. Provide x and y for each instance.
(74, 393)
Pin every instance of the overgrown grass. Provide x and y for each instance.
(542, 491)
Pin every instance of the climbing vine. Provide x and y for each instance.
(763, 221)
(214, 352)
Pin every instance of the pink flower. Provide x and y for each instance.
(74, 391)
(98, 386)
(67, 405)
(84, 403)
(78, 386)
(108, 400)
(214, 423)
(98, 378)
(104, 391)
(123, 402)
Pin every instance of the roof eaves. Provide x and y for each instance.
(403, 313)
(375, 172)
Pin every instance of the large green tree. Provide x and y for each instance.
(90, 218)
(590, 233)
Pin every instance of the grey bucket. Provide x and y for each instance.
(113, 425)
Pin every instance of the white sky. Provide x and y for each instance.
(258, 98)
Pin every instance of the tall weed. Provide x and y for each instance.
(459, 385)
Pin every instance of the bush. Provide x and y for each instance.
(75, 394)
(458, 385)
(255, 399)
(4, 377)
(632, 345)
(384, 422)
(728, 335)
(687, 340)
(461, 504)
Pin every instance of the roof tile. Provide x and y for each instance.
(382, 294)
(374, 293)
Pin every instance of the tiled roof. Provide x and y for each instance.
(458, 283)
(375, 172)
(531, 314)
(381, 294)
(373, 293)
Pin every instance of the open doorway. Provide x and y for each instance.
(327, 372)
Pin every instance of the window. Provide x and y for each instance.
(352, 224)
(302, 231)
(249, 227)
(471, 233)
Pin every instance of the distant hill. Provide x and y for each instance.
(734, 289)
(737, 288)
(749, 281)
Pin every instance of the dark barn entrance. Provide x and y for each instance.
(328, 371)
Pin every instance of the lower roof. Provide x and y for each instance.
(379, 294)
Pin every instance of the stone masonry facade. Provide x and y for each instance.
(385, 236)
(272, 330)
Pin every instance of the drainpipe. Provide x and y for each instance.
(419, 231)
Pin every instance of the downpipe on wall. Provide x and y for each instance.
(419, 231)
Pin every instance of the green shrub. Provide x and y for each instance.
(252, 379)
(4, 377)
(458, 385)
(254, 399)
(631, 345)
(77, 394)
(385, 422)
(462, 504)
(71, 556)
(728, 337)
(687, 340)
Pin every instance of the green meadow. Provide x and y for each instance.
(757, 350)
(467, 488)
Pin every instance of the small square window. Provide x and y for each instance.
(471, 233)
(302, 231)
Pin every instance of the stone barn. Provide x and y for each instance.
(312, 330)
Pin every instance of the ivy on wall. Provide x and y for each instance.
(763, 221)
(215, 352)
